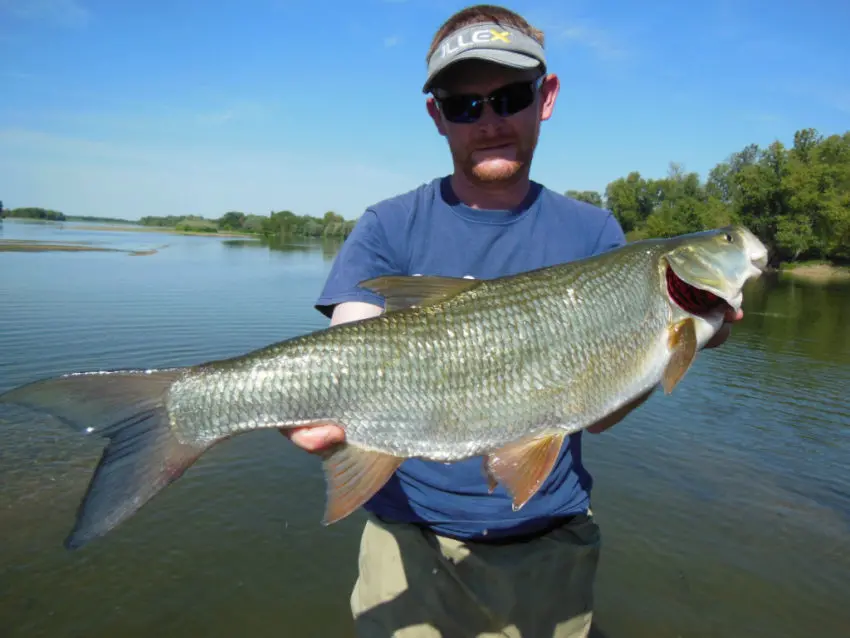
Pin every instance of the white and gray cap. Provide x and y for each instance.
(485, 41)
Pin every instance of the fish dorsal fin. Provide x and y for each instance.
(408, 291)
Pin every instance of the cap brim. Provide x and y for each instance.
(505, 58)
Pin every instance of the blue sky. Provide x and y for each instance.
(128, 108)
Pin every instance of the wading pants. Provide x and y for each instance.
(413, 583)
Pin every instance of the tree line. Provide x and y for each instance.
(797, 199)
(277, 224)
(33, 213)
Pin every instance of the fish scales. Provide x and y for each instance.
(454, 379)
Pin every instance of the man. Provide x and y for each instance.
(439, 555)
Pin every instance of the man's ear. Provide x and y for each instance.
(548, 94)
(434, 112)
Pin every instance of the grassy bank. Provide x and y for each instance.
(815, 271)
(166, 229)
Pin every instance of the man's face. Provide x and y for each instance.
(493, 149)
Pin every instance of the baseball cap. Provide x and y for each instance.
(485, 41)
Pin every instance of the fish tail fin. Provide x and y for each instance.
(143, 455)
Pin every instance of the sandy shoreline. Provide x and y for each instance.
(165, 229)
(31, 246)
(816, 272)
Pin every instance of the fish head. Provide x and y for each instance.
(705, 272)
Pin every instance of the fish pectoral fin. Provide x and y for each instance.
(353, 476)
(400, 291)
(523, 466)
(683, 343)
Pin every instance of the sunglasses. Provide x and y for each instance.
(506, 100)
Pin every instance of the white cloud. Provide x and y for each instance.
(607, 44)
(601, 42)
(65, 13)
(217, 117)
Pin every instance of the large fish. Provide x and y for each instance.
(504, 369)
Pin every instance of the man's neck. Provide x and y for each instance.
(494, 197)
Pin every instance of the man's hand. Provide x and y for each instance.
(315, 438)
(725, 330)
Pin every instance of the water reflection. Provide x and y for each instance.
(329, 247)
(808, 318)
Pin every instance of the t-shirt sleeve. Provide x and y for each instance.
(611, 236)
(364, 254)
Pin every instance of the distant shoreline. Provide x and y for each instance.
(167, 230)
(133, 227)
(815, 271)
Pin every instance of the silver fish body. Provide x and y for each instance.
(455, 368)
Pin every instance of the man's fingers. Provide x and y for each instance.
(734, 315)
(315, 438)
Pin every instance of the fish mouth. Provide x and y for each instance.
(694, 300)
(706, 276)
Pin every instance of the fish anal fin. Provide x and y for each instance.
(683, 344)
(353, 476)
(401, 291)
(523, 466)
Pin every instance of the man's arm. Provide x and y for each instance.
(354, 311)
(317, 438)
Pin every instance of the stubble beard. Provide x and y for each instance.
(496, 172)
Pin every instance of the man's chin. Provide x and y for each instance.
(495, 171)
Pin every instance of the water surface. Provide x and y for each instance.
(725, 507)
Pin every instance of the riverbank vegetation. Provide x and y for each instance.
(277, 224)
(45, 214)
(796, 199)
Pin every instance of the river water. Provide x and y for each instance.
(725, 507)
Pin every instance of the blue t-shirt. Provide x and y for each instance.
(428, 231)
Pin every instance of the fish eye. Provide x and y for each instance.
(728, 237)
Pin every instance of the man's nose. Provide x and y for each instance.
(489, 118)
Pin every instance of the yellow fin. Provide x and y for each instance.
(353, 476)
(683, 342)
(400, 291)
(523, 466)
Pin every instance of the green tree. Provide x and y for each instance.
(591, 197)
(796, 200)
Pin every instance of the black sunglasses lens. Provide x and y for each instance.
(461, 108)
(512, 98)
